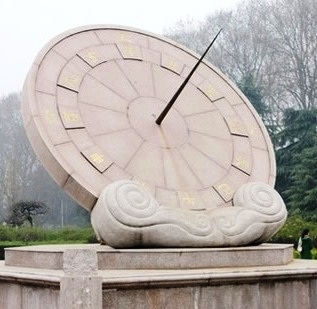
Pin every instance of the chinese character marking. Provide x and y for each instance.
(210, 91)
(130, 50)
(70, 117)
(226, 189)
(242, 163)
(50, 116)
(92, 56)
(188, 199)
(71, 80)
(236, 127)
(97, 157)
(172, 64)
(253, 131)
(123, 37)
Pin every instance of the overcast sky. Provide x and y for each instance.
(27, 25)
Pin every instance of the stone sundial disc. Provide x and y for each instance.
(90, 104)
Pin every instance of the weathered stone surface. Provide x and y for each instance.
(80, 292)
(80, 261)
(292, 285)
(126, 215)
(81, 286)
(90, 105)
(15, 295)
(154, 258)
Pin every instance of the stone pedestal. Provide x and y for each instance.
(94, 276)
(81, 287)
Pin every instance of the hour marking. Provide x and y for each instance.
(92, 56)
(70, 116)
(225, 190)
(124, 37)
(71, 80)
(242, 163)
(130, 51)
(188, 199)
(236, 126)
(97, 158)
(50, 116)
(171, 64)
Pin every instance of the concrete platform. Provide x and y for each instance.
(292, 284)
(51, 257)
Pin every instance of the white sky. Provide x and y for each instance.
(27, 25)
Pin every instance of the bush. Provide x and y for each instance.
(292, 230)
(28, 235)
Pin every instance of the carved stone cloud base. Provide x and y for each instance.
(128, 216)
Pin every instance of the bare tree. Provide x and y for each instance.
(242, 51)
(26, 211)
(293, 26)
(271, 42)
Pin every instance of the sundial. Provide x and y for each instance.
(91, 105)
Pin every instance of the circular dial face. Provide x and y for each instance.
(90, 104)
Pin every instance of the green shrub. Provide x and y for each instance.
(28, 235)
(292, 230)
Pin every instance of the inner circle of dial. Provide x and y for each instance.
(143, 113)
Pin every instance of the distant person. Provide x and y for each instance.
(305, 245)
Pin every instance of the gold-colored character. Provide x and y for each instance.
(242, 163)
(172, 64)
(97, 157)
(70, 116)
(253, 131)
(188, 199)
(92, 56)
(226, 189)
(210, 91)
(72, 81)
(124, 37)
(236, 127)
(50, 116)
(130, 50)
